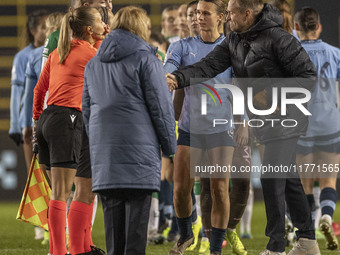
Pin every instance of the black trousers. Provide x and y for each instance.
(278, 188)
(126, 216)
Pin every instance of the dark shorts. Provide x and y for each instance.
(206, 142)
(330, 148)
(312, 145)
(84, 166)
(59, 136)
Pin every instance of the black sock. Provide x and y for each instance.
(174, 225)
(185, 229)
(311, 202)
(328, 199)
(216, 239)
(194, 211)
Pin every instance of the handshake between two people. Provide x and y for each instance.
(259, 99)
(171, 81)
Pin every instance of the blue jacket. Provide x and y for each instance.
(128, 114)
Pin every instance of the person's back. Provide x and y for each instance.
(69, 76)
(65, 81)
(321, 145)
(129, 117)
(326, 59)
(122, 98)
(59, 130)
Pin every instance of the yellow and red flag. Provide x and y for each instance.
(34, 203)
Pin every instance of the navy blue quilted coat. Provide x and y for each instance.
(128, 114)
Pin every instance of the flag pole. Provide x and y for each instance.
(43, 170)
(27, 183)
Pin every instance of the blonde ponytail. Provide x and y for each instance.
(74, 25)
(64, 43)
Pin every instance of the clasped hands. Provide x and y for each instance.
(171, 81)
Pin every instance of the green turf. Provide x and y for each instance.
(17, 237)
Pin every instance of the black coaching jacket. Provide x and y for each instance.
(269, 57)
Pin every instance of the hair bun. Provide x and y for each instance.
(311, 25)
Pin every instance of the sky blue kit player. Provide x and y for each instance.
(33, 71)
(186, 52)
(324, 124)
(18, 86)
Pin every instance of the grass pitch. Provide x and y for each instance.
(18, 238)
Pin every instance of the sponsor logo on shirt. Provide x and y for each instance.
(192, 53)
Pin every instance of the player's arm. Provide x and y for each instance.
(216, 62)
(17, 88)
(40, 90)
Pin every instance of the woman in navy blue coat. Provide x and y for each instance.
(129, 117)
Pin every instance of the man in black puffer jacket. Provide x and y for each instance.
(258, 48)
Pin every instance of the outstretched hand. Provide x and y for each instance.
(172, 81)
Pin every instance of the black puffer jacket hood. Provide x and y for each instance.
(268, 18)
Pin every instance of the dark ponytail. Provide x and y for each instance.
(308, 19)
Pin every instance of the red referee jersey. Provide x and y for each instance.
(63, 81)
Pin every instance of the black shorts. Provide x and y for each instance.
(84, 166)
(206, 142)
(59, 136)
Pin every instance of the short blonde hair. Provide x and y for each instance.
(53, 22)
(132, 19)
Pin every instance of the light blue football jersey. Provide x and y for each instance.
(189, 51)
(325, 120)
(18, 85)
(33, 71)
(20, 64)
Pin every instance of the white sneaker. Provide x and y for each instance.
(268, 252)
(305, 246)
